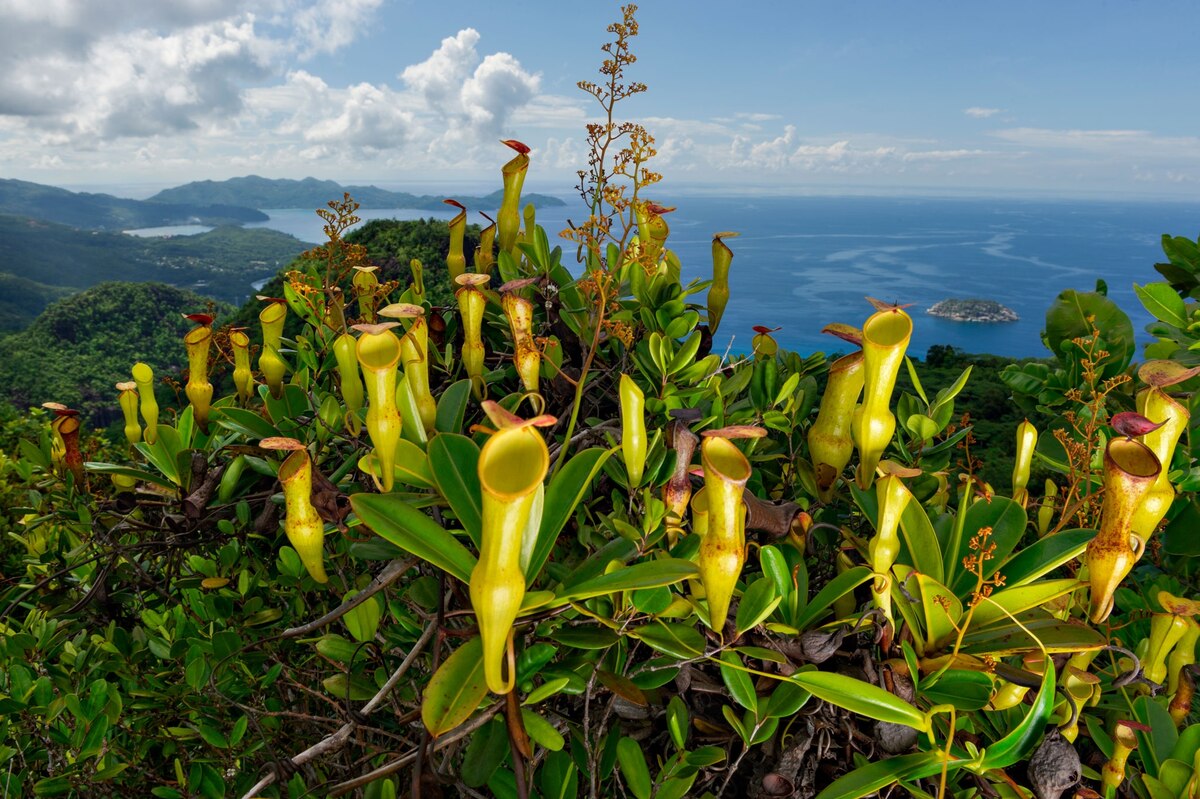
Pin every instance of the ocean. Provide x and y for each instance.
(803, 262)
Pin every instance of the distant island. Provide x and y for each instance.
(106, 212)
(253, 191)
(972, 311)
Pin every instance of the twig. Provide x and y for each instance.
(401, 762)
(390, 574)
(337, 740)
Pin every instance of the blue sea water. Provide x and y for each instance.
(803, 262)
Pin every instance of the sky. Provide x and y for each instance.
(1070, 97)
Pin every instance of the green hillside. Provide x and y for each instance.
(221, 263)
(259, 192)
(81, 346)
(106, 212)
(21, 300)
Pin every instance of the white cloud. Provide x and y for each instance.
(328, 27)
(1090, 139)
(978, 112)
(946, 155)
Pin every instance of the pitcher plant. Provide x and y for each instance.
(723, 547)
(270, 362)
(885, 339)
(829, 439)
(512, 466)
(379, 355)
(509, 218)
(128, 400)
(199, 391)
(1130, 471)
(143, 376)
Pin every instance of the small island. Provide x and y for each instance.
(972, 311)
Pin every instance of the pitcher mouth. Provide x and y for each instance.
(197, 335)
(1134, 458)
(725, 460)
(888, 328)
(379, 351)
(292, 465)
(513, 463)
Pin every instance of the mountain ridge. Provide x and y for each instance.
(258, 192)
(108, 212)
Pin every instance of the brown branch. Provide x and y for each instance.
(399, 763)
(337, 740)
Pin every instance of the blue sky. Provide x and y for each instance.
(1067, 97)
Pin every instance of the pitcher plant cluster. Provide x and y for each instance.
(618, 562)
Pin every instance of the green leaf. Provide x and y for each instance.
(454, 462)
(411, 466)
(1004, 638)
(649, 574)
(1022, 598)
(362, 621)
(1157, 744)
(758, 601)
(163, 453)
(589, 638)
(921, 541)
(565, 491)
(542, 731)
(485, 753)
(844, 583)
(916, 381)
(921, 426)
(677, 640)
(410, 415)
(1075, 313)
(775, 566)
(455, 690)
(947, 395)
(452, 407)
(1163, 303)
(244, 422)
(873, 777)
(1007, 520)
(414, 532)
(941, 608)
(677, 721)
(965, 689)
(633, 768)
(1045, 556)
(859, 696)
(738, 681)
(786, 700)
(1018, 744)
(125, 471)
(546, 690)
(356, 689)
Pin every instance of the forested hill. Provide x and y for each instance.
(259, 192)
(81, 346)
(106, 212)
(221, 263)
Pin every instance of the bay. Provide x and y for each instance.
(167, 230)
(804, 262)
